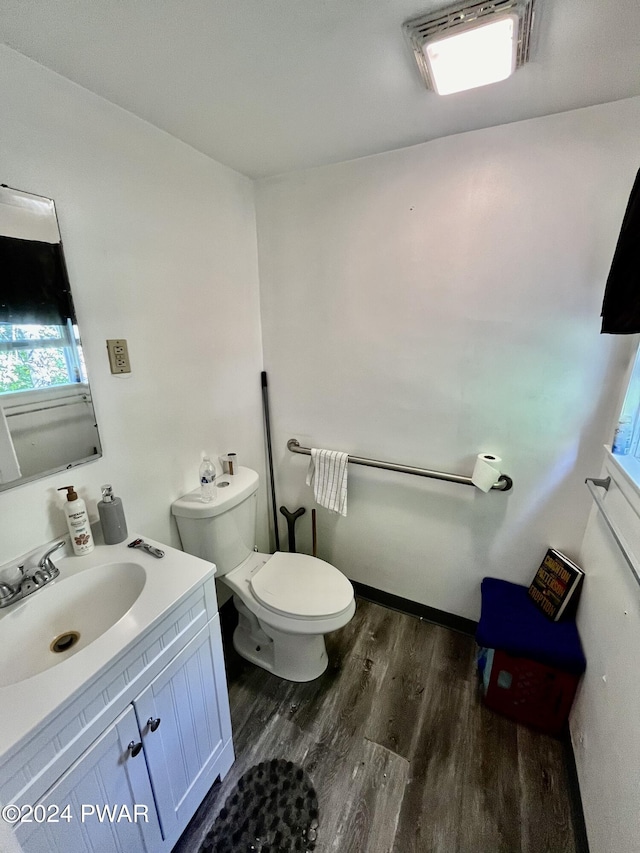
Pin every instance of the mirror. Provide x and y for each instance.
(47, 420)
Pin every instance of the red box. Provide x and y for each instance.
(530, 692)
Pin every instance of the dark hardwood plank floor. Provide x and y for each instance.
(403, 754)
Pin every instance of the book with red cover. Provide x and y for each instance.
(556, 586)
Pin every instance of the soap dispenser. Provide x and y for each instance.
(114, 526)
(77, 522)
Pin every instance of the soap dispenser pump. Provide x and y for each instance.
(77, 522)
(114, 526)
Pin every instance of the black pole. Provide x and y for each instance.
(267, 426)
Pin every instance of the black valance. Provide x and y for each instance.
(621, 305)
(34, 287)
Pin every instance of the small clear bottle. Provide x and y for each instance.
(624, 434)
(207, 480)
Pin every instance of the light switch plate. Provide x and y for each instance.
(118, 356)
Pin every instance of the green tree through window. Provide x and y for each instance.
(38, 356)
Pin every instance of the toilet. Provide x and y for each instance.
(286, 602)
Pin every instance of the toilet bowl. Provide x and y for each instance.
(286, 603)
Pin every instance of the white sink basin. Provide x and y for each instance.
(50, 626)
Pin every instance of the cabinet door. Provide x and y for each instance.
(189, 698)
(109, 799)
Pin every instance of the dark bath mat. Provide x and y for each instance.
(272, 809)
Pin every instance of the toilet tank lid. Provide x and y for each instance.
(229, 491)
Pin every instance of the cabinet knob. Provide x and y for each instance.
(153, 723)
(134, 748)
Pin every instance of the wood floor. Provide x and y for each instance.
(403, 755)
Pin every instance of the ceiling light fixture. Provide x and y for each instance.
(465, 47)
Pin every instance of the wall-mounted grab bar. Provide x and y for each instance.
(592, 482)
(503, 484)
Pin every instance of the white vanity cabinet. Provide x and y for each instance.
(122, 765)
(66, 820)
(136, 788)
(183, 717)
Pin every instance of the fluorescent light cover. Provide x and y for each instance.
(474, 56)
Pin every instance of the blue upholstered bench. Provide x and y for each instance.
(531, 665)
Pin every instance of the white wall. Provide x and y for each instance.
(432, 303)
(160, 245)
(605, 721)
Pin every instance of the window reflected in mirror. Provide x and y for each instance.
(38, 356)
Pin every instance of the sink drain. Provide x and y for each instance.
(64, 642)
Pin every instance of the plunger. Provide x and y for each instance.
(292, 517)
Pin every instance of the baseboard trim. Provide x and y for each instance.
(414, 608)
(575, 798)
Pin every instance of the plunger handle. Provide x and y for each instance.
(314, 532)
(292, 517)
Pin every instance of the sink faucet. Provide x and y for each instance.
(45, 564)
(7, 594)
(45, 572)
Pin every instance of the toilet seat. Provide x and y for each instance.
(301, 586)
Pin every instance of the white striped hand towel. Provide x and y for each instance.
(328, 475)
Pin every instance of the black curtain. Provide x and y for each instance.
(621, 305)
(34, 287)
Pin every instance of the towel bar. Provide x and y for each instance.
(619, 539)
(503, 484)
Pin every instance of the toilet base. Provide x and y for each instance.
(294, 657)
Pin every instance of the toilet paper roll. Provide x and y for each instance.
(486, 471)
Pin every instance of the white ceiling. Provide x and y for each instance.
(268, 86)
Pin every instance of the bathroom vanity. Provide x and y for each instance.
(114, 747)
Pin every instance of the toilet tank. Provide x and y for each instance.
(222, 531)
